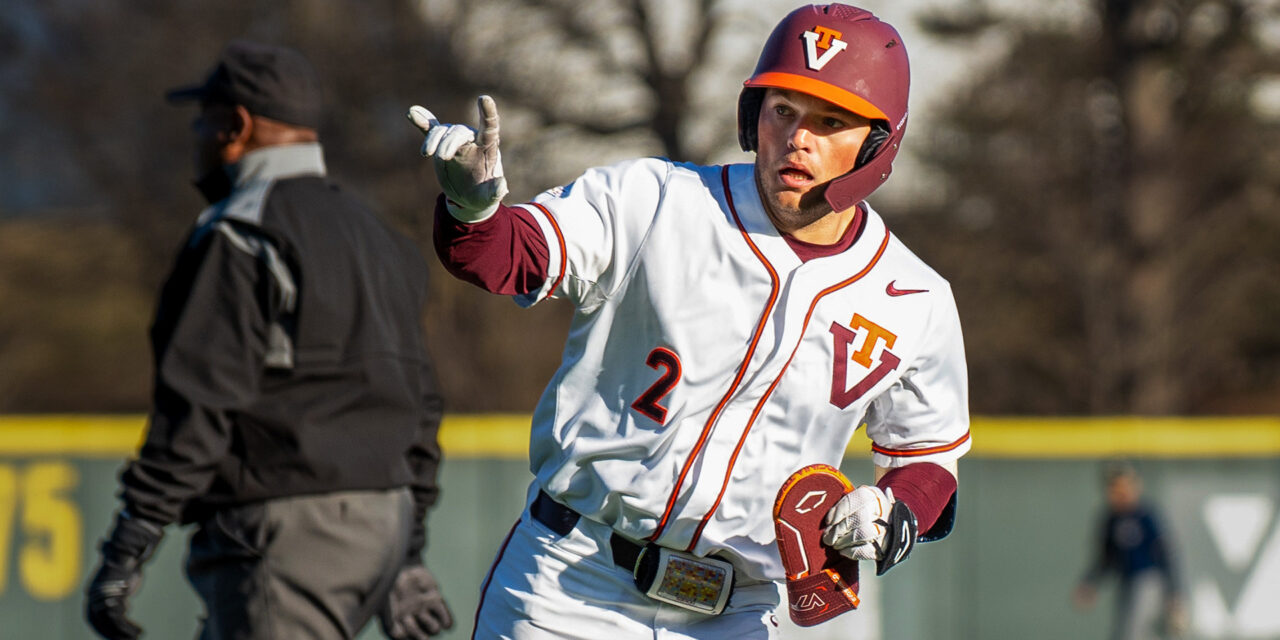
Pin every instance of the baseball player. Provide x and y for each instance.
(733, 324)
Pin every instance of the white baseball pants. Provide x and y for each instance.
(544, 586)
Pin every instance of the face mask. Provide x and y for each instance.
(214, 185)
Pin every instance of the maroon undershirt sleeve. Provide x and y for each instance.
(925, 487)
(506, 253)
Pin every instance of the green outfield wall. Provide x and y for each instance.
(1029, 500)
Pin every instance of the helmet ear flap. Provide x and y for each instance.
(749, 102)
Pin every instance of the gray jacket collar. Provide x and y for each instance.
(253, 176)
(278, 162)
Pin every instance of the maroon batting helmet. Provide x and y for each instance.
(848, 57)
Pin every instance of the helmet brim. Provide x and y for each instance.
(819, 89)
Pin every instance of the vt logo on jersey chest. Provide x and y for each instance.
(857, 344)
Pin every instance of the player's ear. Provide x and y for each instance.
(240, 128)
(235, 137)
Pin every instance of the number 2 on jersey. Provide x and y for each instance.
(648, 402)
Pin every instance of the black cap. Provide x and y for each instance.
(269, 80)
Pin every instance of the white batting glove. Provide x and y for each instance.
(858, 523)
(467, 162)
(868, 524)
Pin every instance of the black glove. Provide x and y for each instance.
(130, 544)
(415, 608)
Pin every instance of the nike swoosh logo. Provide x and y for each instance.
(905, 543)
(895, 292)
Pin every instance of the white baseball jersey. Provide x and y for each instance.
(706, 362)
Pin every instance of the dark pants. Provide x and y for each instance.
(302, 568)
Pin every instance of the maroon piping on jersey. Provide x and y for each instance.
(742, 369)
(884, 243)
(564, 258)
(915, 453)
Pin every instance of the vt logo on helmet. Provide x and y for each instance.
(822, 38)
(848, 57)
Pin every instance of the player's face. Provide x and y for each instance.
(803, 143)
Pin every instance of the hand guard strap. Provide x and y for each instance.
(820, 597)
(899, 539)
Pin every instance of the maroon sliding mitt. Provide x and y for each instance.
(821, 583)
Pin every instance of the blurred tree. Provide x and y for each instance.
(1109, 207)
(580, 84)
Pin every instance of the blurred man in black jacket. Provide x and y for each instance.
(295, 411)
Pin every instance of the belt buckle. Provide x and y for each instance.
(684, 580)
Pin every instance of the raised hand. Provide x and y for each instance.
(468, 164)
